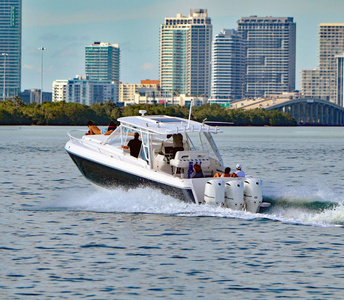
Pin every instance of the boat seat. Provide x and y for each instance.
(183, 158)
(207, 172)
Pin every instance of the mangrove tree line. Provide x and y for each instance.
(16, 112)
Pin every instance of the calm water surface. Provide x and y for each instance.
(62, 238)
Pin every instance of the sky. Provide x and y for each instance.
(65, 27)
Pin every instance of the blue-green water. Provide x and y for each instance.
(61, 238)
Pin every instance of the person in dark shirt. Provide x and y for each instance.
(198, 173)
(134, 145)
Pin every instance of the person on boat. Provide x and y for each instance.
(239, 172)
(134, 145)
(177, 143)
(93, 129)
(111, 128)
(226, 174)
(197, 173)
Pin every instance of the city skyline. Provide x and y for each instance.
(134, 25)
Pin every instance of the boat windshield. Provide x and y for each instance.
(200, 141)
(153, 142)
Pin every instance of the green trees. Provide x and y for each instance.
(11, 112)
(15, 112)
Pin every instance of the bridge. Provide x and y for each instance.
(306, 111)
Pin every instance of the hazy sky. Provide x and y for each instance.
(65, 27)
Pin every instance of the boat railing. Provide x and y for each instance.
(74, 139)
(79, 142)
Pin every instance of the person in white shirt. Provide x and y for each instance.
(239, 172)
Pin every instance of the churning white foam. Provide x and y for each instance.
(148, 200)
(316, 205)
(140, 200)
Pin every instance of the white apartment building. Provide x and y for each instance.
(185, 53)
(59, 90)
(228, 66)
(83, 90)
(127, 91)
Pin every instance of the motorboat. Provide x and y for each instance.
(105, 160)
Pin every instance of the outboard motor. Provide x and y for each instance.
(214, 192)
(234, 195)
(253, 194)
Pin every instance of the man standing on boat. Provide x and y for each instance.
(134, 145)
(177, 143)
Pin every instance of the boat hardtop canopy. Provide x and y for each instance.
(166, 124)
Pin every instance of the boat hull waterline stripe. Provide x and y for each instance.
(110, 177)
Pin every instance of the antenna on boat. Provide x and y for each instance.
(190, 113)
(142, 112)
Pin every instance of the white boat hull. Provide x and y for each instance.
(106, 162)
(113, 173)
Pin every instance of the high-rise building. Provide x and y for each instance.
(185, 53)
(325, 81)
(10, 47)
(331, 43)
(270, 54)
(228, 66)
(102, 61)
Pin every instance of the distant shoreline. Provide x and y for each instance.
(16, 112)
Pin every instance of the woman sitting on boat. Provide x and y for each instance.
(197, 173)
(112, 126)
(93, 129)
(226, 174)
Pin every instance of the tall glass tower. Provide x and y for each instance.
(270, 54)
(10, 47)
(102, 61)
(228, 66)
(185, 53)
